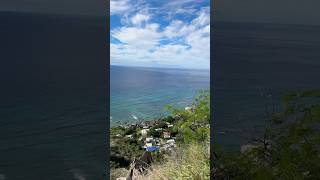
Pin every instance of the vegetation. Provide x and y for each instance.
(154, 133)
(189, 162)
(118, 172)
(194, 123)
(123, 149)
(290, 148)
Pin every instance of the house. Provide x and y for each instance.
(171, 141)
(129, 136)
(144, 132)
(188, 109)
(149, 139)
(158, 129)
(166, 135)
(170, 144)
(148, 145)
(168, 147)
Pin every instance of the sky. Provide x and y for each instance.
(166, 33)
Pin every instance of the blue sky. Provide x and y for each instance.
(160, 33)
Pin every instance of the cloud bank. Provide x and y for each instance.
(165, 34)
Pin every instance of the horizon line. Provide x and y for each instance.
(157, 67)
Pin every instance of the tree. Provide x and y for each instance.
(194, 125)
(294, 144)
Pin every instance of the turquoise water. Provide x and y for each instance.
(139, 94)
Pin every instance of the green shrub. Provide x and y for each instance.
(193, 125)
(152, 132)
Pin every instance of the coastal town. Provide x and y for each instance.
(139, 145)
(152, 136)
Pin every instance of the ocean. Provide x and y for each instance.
(53, 97)
(140, 93)
(254, 64)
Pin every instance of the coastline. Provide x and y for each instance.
(161, 140)
(158, 134)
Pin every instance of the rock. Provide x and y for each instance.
(139, 167)
(121, 178)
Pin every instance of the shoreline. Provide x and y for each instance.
(130, 140)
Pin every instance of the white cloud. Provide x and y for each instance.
(175, 29)
(187, 44)
(119, 6)
(185, 11)
(203, 17)
(179, 3)
(138, 37)
(178, 28)
(139, 18)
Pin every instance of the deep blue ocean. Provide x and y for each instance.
(140, 94)
(254, 64)
(53, 97)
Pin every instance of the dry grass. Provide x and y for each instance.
(189, 162)
(118, 172)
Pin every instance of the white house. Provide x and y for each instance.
(144, 132)
(149, 139)
(170, 141)
(129, 136)
(166, 135)
(188, 108)
(149, 144)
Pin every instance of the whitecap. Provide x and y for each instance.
(134, 117)
(78, 174)
(3, 177)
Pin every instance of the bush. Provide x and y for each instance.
(154, 133)
(129, 131)
(193, 125)
(162, 124)
(169, 119)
